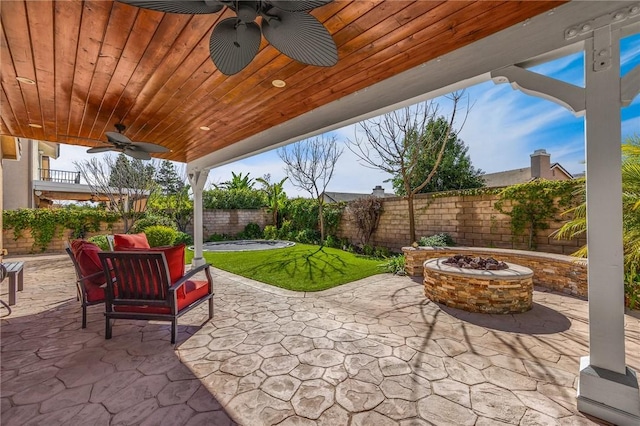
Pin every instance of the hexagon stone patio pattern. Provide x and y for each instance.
(373, 352)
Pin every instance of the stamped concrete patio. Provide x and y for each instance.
(373, 352)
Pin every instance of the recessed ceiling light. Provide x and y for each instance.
(278, 83)
(37, 126)
(25, 80)
(205, 128)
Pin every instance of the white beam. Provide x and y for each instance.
(534, 84)
(630, 86)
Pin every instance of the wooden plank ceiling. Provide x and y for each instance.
(96, 63)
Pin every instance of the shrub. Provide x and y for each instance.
(234, 199)
(437, 240)
(183, 237)
(333, 242)
(251, 232)
(214, 238)
(308, 236)
(100, 241)
(270, 232)
(365, 213)
(394, 265)
(160, 235)
(367, 250)
(150, 219)
(302, 213)
(284, 233)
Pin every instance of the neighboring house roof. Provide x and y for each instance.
(508, 177)
(543, 169)
(336, 197)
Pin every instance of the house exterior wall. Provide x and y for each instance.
(17, 179)
(471, 220)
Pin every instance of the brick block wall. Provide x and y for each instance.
(471, 220)
(231, 222)
(557, 272)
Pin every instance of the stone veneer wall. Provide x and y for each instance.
(470, 219)
(474, 292)
(24, 245)
(231, 222)
(561, 273)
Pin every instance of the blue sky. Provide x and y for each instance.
(503, 127)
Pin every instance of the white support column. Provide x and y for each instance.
(607, 389)
(197, 179)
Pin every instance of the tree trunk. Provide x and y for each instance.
(321, 218)
(412, 222)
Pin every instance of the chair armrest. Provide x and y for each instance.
(189, 275)
(94, 275)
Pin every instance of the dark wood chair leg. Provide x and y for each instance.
(211, 308)
(174, 331)
(107, 331)
(84, 316)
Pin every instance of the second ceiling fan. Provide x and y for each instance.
(234, 42)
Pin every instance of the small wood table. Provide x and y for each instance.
(14, 270)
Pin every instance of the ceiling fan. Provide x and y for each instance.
(234, 42)
(120, 143)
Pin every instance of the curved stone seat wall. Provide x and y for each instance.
(556, 272)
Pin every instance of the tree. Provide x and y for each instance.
(397, 141)
(275, 194)
(310, 165)
(127, 184)
(172, 199)
(168, 179)
(238, 181)
(455, 170)
(630, 219)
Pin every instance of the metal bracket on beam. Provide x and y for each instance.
(586, 27)
(630, 86)
(534, 84)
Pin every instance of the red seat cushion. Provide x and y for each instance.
(127, 241)
(194, 290)
(94, 293)
(86, 254)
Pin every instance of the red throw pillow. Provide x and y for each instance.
(175, 261)
(127, 241)
(86, 254)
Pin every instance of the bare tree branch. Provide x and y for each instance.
(310, 165)
(395, 142)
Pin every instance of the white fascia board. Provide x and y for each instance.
(542, 36)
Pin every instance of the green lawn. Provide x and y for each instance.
(301, 267)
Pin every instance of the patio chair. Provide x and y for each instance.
(89, 274)
(139, 286)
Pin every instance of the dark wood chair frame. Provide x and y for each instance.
(80, 286)
(128, 272)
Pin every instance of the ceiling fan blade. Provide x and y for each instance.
(149, 147)
(98, 149)
(117, 138)
(301, 37)
(298, 5)
(233, 45)
(140, 155)
(190, 7)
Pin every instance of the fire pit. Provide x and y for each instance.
(489, 290)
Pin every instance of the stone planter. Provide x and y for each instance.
(503, 291)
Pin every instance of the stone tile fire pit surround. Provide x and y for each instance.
(504, 291)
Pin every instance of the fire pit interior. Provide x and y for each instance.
(475, 284)
(468, 262)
